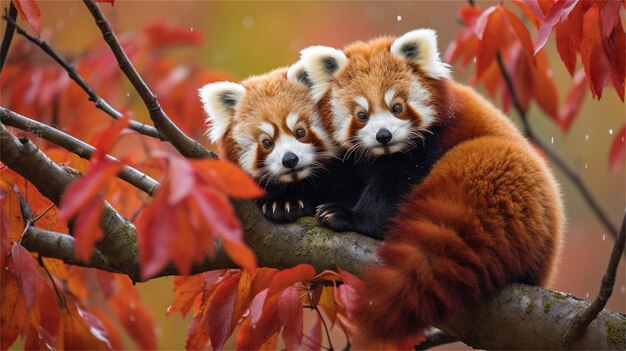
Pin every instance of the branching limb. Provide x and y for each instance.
(184, 144)
(554, 156)
(50, 179)
(8, 34)
(76, 77)
(584, 318)
(129, 174)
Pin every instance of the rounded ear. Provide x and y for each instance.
(298, 74)
(420, 47)
(219, 101)
(321, 63)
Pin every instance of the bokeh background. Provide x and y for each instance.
(246, 38)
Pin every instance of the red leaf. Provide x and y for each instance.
(228, 178)
(256, 307)
(592, 53)
(521, 32)
(609, 16)
(614, 47)
(87, 228)
(558, 11)
(288, 277)
(83, 330)
(263, 322)
(617, 154)
(544, 87)
(313, 340)
(161, 35)
(186, 290)
(573, 101)
(240, 253)
(220, 313)
(83, 189)
(531, 10)
(29, 11)
(346, 293)
(198, 332)
(13, 309)
(290, 314)
(181, 179)
(489, 30)
(105, 140)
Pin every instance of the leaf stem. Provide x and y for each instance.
(8, 34)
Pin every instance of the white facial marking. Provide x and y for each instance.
(306, 158)
(320, 132)
(419, 100)
(292, 119)
(247, 150)
(340, 121)
(389, 95)
(400, 130)
(361, 101)
(267, 129)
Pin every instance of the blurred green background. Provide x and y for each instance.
(246, 38)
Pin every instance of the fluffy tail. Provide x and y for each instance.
(475, 224)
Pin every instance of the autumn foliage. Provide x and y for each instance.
(54, 305)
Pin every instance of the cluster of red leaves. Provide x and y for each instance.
(189, 211)
(262, 305)
(591, 29)
(54, 309)
(37, 87)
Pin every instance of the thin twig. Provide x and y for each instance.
(76, 77)
(129, 174)
(435, 339)
(8, 34)
(554, 156)
(585, 317)
(184, 144)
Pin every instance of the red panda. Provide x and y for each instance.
(269, 126)
(464, 202)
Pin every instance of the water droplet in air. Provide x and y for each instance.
(399, 18)
(132, 318)
(191, 29)
(621, 289)
(603, 237)
(552, 140)
(611, 131)
(127, 94)
(585, 166)
(586, 136)
(586, 295)
(247, 22)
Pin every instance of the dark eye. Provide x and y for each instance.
(361, 116)
(267, 143)
(300, 133)
(396, 108)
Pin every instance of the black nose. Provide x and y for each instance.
(290, 160)
(383, 136)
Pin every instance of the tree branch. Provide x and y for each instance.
(582, 320)
(22, 156)
(554, 156)
(8, 34)
(184, 144)
(76, 77)
(129, 174)
(283, 246)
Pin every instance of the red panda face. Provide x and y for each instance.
(381, 94)
(268, 125)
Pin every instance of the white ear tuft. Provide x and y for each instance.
(298, 74)
(321, 63)
(219, 101)
(420, 46)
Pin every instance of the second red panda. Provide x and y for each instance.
(463, 201)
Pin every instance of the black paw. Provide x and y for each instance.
(280, 210)
(335, 217)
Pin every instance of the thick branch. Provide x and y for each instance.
(23, 157)
(554, 156)
(184, 144)
(76, 77)
(129, 174)
(8, 34)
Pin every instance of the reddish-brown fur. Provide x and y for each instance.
(488, 213)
